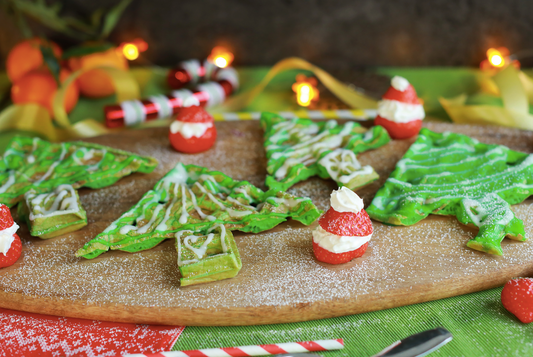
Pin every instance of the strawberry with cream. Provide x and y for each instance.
(400, 111)
(10, 244)
(193, 130)
(344, 230)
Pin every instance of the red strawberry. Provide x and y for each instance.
(194, 114)
(13, 254)
(346, 223)
(399, 130)
(407, 96)
(6, 220)
(326, 256)
(517, 298)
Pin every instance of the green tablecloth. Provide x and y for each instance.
(478, 322)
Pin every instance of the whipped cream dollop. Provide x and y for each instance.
(188, 130)
(338, 244)
(399, 112)
(399, 83)
(345, 200)
(7, 236)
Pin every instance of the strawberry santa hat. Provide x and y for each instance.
(344, 230)
(10, 244)
(400, 111)
(194, 130)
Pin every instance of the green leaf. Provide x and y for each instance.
(96, 17)
(86, 50)
(51, 61)
(112, 17)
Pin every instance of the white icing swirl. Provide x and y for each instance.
(338, 244)
(399, 83)
(188, 130)
(7, 236)
(399, 112)
(345, 200)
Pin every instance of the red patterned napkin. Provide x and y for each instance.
(26, 334)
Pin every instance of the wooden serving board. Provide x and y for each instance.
(280, 280)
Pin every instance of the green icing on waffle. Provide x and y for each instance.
(193, 198)
(41, 166)
(206, 258)
(300, 148)
(453, 174)
(51, 214)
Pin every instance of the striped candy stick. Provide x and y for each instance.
(254, 350)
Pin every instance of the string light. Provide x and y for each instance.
(221, 57)
(495, 57)
(306, 90)
(498, 58)
(131, 50)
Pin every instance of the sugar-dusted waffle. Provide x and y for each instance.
(194, 198)
(300, 148)
(453, 174)
(208, 257)
(51, 214)
(42, 166)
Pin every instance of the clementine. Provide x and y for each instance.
(27, 56)
(96, 83)
(39, 87)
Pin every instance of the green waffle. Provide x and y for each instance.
(193, 198)
(297, 149)
(207, 258)
(453, 174)
(51, 214)
(41, 166)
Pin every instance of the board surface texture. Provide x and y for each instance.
(280, 281)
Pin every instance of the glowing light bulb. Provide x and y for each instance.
(304, 94)
(495, 57)
(221, 57)
(130, 51)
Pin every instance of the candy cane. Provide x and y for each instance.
(254, 350)
(133, 112)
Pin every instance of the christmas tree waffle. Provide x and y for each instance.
(51, 214)
(453, 174)
(300, 148)
(206, 258)
(193, 198)
(42, 166)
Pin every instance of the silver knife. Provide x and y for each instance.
(413, 346)
(418, 345)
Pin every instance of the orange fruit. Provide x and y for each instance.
(27, 56)
(96, 83)
(38, 86)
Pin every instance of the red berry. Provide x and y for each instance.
(407, 96)
(399, 130)
(12, 254)
(517, 298)
(346, 223)
(6, 220)
(326, 256)
(194, 114)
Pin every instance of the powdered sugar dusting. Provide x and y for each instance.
(278, 266)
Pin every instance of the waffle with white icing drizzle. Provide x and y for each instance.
(453, 174)
(300, 148)
(206, 258)
(51, 214)
(193, 198)
(35, 164)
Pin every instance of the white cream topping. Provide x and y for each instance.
(345, 200)
(64, 202)
(338, 244)
(399, 83)
(399, 112)
(7, 236)
(188, 130)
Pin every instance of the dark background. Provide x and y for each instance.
(336, 34)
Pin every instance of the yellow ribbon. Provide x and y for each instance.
(515, 89)
(349, 96)
(35, 118)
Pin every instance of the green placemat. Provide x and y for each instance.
(478, 322)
